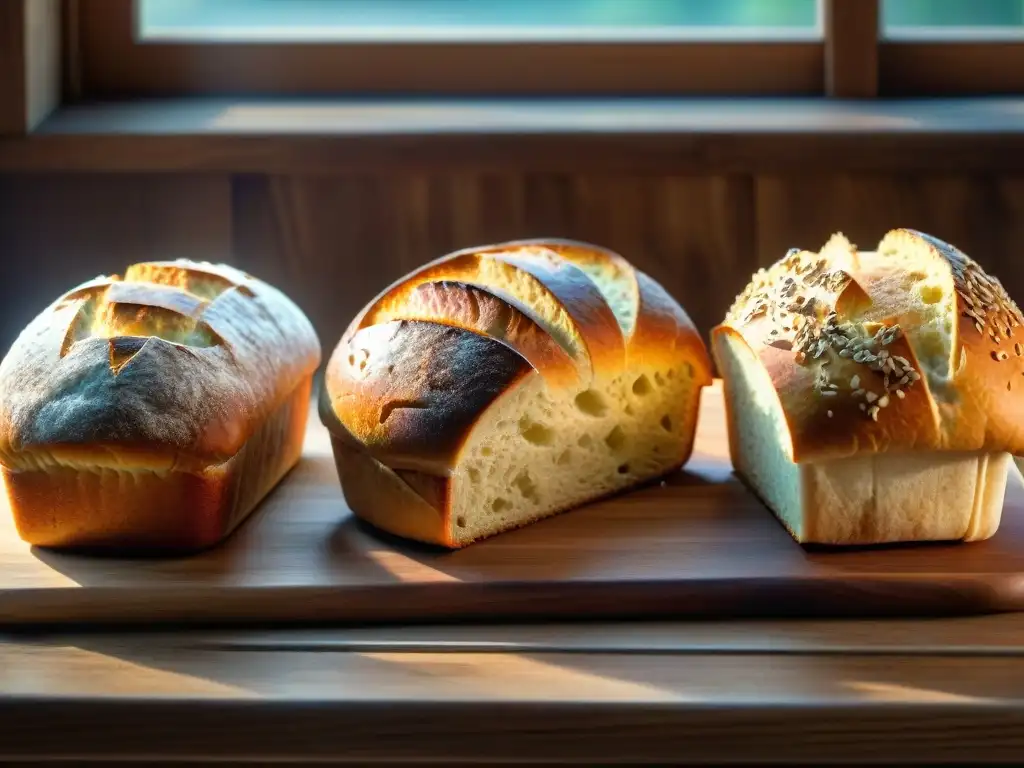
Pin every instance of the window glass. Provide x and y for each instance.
(296, 20)
(953, 19)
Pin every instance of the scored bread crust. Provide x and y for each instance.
(172, 367)
(153, 411)
(461, 305)
(655, 323)
(423, 361)
(410, 391)
(837, 404)
(550, 291)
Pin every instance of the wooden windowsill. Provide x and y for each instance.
(659, 135)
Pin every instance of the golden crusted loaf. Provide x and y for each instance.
(155, 410)
(501, 384)
(921, 355)
(907, 351)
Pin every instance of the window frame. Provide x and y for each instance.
(966, 67)
(111, 63)
(30, 63)
(100, 59)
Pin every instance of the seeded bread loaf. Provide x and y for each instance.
(154, 411)
(498, 385)
(875, 397)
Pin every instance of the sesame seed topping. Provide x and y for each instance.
(999, 355)
(873, 413)
(795, 299)
(900, 394)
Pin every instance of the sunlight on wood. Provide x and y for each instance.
(31, 669)
(519, 677)
(383, 117)
(318, 441)
(15, 552)
(404, 568)
(909, 694)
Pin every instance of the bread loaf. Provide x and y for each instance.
(875, 397)
(153, 411)
(498, 385)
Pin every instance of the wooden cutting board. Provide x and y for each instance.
(699, 545)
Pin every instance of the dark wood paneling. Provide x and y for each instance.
(333, 242)
(983, 216)
(58, 230)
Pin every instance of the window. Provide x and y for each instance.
(497, 20)
(953, 19)
(131, 48)
(177, 47)
(946, 47)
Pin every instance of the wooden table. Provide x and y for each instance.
(590, 694)
(756, 691)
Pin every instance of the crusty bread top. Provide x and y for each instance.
(172, 366)
(576, 313)
(910, 347)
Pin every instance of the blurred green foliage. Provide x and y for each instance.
(952, 13)
(325, 14)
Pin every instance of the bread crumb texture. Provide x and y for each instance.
(870, 394)
(592, 385)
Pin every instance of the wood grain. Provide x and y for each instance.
(982, 215)
(56, 231)
(624, 135)
(331, 241)
(334, 242)
(701, 545)
(987, 636)
(513, 692)
(135, 698)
